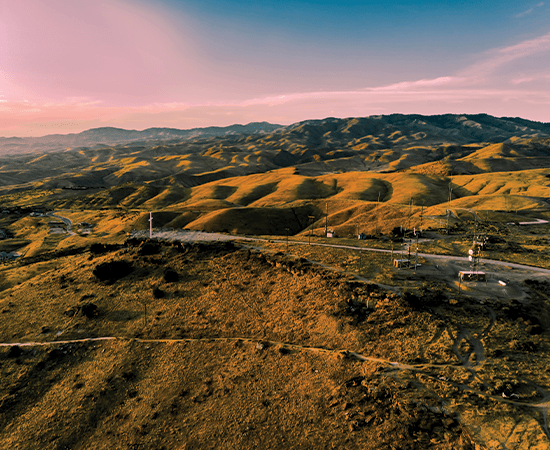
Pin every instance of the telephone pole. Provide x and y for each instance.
(326, 220)
(416, 256)
(151, 225)
(410, 212)
(310, 227)
(449, 209)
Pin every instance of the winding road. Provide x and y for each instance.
(68, 223)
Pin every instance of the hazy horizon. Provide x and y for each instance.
(68, 67)
(235, 124)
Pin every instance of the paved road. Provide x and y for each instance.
(68, 223)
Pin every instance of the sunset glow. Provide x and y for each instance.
(68, 66)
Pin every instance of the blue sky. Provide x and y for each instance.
(67, 66)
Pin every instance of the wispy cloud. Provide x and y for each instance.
(530, 78)
(492, 84)
(380, 94)
(408, 85)
(529, 11)
(524, 13)
(494, 59)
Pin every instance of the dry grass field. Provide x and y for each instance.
(224, 346)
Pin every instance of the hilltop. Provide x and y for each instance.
(399, 130)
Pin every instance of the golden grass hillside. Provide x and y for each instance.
(378, 143)
(218, 346)
(370, 173)
(268, 202)
(503, 157)
(282, 187)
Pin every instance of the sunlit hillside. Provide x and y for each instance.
(369, 173)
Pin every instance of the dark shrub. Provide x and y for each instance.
(398, 232)
(158, 293)
(112, 270)
(149, 248)
(97, 249)
(15, 352)
(171, 276)
(412, 301)
(89, 310)
(534, 329)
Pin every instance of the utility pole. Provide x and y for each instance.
(410, 212)
(474, 254)
(421, 214)
(416, 256)
(409, 258)
(151, 225)
(310, 227)
(287, 230)
(326, 220)
(475, 229)
(449, 209)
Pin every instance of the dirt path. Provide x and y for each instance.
(392, 366)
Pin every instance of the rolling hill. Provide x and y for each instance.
(380, 163)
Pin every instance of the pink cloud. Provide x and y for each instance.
(411, 85)
(501, 57)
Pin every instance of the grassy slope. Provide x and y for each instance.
(352, 199)
(217, 389)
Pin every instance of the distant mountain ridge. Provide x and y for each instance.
(381, 131)
(107, 136)
(447, 128)
(184, 159)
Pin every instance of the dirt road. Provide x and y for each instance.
(504, 280)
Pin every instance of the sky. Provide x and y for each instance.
(68, 66)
